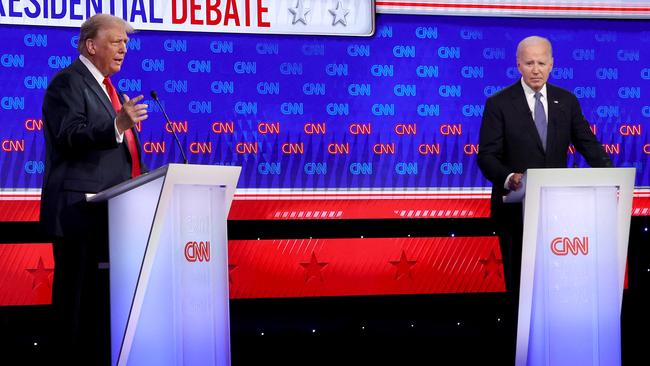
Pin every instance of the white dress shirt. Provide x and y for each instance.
(530, 99)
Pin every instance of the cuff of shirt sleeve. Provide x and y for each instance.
(119, 137)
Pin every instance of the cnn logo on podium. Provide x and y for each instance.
(197, 251)
(563, 245)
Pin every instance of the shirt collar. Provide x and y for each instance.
(93, 69)
(530, 92)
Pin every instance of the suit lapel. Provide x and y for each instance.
(92, 83)
(95, 87)
(528, 123)
(554, 107)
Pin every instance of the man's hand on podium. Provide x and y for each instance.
(514, 183)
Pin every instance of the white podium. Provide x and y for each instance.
(576, 229)
(169, 266)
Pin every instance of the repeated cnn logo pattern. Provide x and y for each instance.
(400, 109)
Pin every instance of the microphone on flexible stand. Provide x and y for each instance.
(168, 123)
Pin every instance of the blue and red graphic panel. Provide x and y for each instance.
(399, 110)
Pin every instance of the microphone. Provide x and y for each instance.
(171, 127)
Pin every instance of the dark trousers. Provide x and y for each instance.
(510, 225)
(80, 292)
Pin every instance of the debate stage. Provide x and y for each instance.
(454, 328)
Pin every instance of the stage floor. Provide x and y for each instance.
(459, 329)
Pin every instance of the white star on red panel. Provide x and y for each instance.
(313, 268)
(403, 267)
(42, 275)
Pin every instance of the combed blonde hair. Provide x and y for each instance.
(91, 27)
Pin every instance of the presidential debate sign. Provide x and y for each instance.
(613, 9)
(238, 16)
(400, 110)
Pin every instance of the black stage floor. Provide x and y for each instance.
(459, 329)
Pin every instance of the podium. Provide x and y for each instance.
(169, 266)
(576, 229)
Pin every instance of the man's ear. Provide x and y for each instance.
(90, 46)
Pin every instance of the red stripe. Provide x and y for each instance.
(374, 266)
(306, 268)
(512, 7)
(306, 209)
(298, 195)
(19, 210)
(338, 208)
(26, 195)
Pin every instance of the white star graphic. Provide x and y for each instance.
(339, 14)
(299, 13)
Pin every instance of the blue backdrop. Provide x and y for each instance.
(399, 109)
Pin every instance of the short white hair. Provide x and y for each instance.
(531, 41)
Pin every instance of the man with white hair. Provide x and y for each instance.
(90, 145)
(529, 124)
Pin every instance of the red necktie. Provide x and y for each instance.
(128, 134)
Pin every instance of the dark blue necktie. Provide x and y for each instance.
(540, 119)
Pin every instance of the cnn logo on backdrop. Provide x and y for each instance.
(563, 245)
(197, 251)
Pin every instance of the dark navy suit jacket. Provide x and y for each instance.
(82, 154)
(509, 142)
